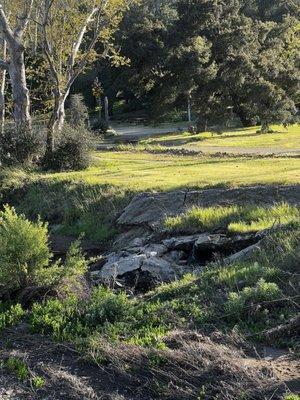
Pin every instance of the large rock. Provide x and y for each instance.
(149, 209)
(118, 265)
(115, 266)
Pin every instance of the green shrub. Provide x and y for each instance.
(72, 151)
(24, 250)
(37, 382)
(10, 315)
(65, 276)
(18, 367)
(77, 113)
(238, 303)
(292, 397)
(20, 146)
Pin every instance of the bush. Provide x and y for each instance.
(25, 257)
(73, 150)
(77, 113)
(20, 146)
(23, 250)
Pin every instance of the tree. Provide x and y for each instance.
(17, 14)
(227, 57)
(70, 31)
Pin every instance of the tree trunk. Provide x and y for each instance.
(55, 124)
(20, 91)
(265, 127)
(2, 90)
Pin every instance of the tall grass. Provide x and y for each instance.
(235, 219)
(73, 208)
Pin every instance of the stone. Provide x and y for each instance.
(121, 266)
(150, 209)
(159, 268)
(243, 255)
(184, 243)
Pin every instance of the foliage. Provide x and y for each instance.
(20, 146)
(75, 208)
(291, 397)
(72, 151)
(10, 315)
(18, 367)
(77, 112)
(24, 250)
(251, 296)
(65, 276)
(233, 218)
(25, 260)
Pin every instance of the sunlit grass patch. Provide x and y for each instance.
(203, 218)
(260, 218)
(280, 138)
(235, 219)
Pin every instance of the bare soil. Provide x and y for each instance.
(218, 366)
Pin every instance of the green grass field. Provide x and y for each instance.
(89, 201)
(281, 139)
(143, 171)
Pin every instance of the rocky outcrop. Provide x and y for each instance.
(149, 209)
(144, 253)
(170, 259)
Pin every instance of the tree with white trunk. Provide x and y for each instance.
(70, 32)
(14, 19)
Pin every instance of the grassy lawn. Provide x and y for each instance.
(285, 139)
(143, 171)
(89, 201)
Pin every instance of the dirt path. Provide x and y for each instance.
(140, 131)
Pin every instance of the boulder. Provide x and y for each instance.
(150, 209)
(118, 265)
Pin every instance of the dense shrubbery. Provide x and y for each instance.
(72, 152)
(25, 258)
(20, 146)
